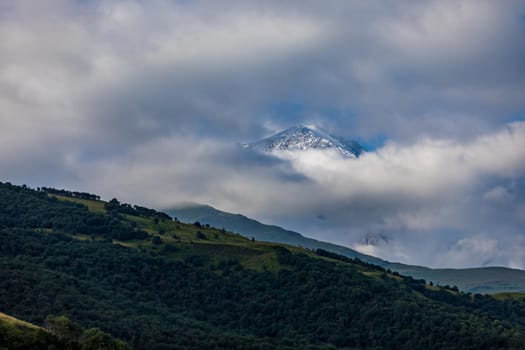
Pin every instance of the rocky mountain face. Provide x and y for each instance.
(306, 137)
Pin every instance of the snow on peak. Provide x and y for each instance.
(304, 137)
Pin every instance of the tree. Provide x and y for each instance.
(63, 328)
(95, 339)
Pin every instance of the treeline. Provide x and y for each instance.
(124, 208)
(418, 284)
(113, 205)
(73, 194)
(21, 207)
(335, 256)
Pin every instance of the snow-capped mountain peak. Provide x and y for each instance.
(304, 137)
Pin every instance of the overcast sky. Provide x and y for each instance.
(147, 100)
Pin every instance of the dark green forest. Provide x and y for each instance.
(156, 283)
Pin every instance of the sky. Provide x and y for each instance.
(147, 101)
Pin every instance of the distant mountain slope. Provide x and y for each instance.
(304, 137)
(476, 280)
(249, 228)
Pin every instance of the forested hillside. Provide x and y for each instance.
(156, 283)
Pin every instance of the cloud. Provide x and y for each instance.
(429, 198)
(499, 195)
(434, 191)
(145, 101)
(463, 251)
(129, 72)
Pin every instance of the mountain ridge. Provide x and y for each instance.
(305, 137)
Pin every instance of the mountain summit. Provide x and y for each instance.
(304, 137)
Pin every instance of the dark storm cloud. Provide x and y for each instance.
(146, 101)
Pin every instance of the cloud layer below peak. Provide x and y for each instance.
(145, 101)
(439, 202)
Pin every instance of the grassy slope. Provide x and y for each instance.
(94, 206)
(14, 322)
(17, 334)
(214, 245)
(478, 280)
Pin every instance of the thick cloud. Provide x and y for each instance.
(132, 71)
(437, 202)
(146, 101)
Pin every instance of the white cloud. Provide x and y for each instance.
(425, 170)
(429, 197)
(140, 100)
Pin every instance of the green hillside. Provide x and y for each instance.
(478, 280)
(16, 334)
(61, 333)
(262, 232)
(157, 283)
